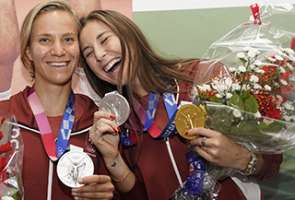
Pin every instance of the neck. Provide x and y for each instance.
(138, 89)
(53, 97)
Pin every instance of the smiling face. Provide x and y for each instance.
(102, 51)
(54, 47)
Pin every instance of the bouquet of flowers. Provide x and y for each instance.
(11, 157)
(246, 90)
(252, 97)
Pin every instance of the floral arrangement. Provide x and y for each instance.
(11, 154)
(252, 101)
(246, 91)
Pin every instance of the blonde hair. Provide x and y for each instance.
(26, 30)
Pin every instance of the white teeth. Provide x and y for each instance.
(58, 64)
(111, 64)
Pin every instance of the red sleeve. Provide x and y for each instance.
(271, 166)
(139, 190)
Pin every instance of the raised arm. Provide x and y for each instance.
(84, 7)
(9, 40)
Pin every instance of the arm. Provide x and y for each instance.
(222, 151)
(83, 8)
(9, 40)
(104, 135)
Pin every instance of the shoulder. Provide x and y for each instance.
(5, 95)
(84, 109)
(16, 104)
(84, 104)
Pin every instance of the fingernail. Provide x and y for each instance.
(112, 117)
(116, 129)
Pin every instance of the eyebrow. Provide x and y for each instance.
(97, 37)
(48, 34)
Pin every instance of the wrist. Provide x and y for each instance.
(245, 157)
(112, 161)
(250, 168)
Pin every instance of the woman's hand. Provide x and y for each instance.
(95, 187)
(104, 134)
(219, 149)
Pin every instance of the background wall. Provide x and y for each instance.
(178, 30)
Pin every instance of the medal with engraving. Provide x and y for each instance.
(116, 104)
(72, 166)
(189, 116)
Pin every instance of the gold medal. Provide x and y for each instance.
(190, 116)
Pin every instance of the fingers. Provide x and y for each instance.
(105, 125)
(95, 179)
(95, 187)
(203, 153)
(203, 132)
(101, 127)
(101, 114)
(93, 195)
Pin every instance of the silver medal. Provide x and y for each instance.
(116, 104)
(73, 165)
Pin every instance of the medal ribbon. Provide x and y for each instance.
(195, 181)
(53, 151)
(171, 108)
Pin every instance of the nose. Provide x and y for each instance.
(99, 52)
(57, 49)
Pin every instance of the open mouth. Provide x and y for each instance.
(112, 65)
(58, 64)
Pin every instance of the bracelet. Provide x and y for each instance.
(251, 166)
(123, 178)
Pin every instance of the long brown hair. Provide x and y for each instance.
(155, 73)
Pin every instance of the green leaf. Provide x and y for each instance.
(273, 127)
(236, 101)
(251, 104)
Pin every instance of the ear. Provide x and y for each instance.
(28, 53)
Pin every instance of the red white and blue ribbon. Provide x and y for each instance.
(171, 107)
(53, 151)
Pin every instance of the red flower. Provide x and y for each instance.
(268, 106)
(5, 147)
(274, 113)
(269, 72)
(285, 75)
(3, 162)
(286, 90)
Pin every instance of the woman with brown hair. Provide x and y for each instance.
(118, 56)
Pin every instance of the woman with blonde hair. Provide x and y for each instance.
(52, 118)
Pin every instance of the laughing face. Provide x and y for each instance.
(54, 47)
(101, 49)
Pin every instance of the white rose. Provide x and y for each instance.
(254, 78)
(267, 88)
